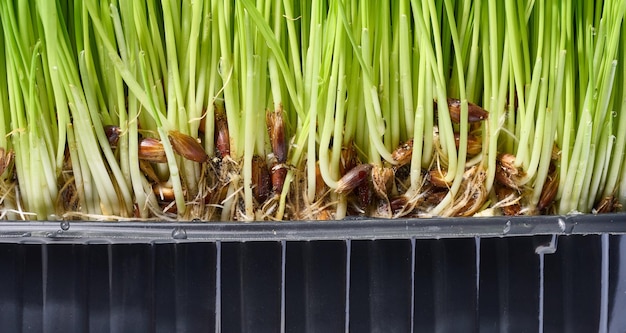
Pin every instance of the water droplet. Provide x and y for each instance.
(507, 227)
(65, 225)
(196, 220)
(179, 233)
(26, 234)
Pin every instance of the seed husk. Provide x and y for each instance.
(164, 193)
(222, 137)
(113, 134)
(325, 215)
(364, 194)
(608, 204)
(217, 195)
(438, 178)
(549, 191)
(151, 150)
(276, 130)
(349, 159)
(320, 185)
(474, 144)
(398, 203)
(187, 147)
(475, 113)
(436, 195)
(382, 179)
(354, 178)
(402, 154)
(278, 173)
(168, 207)
(261, 182)
(148, 171)
(506, 172)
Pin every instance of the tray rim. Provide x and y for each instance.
(87, 232)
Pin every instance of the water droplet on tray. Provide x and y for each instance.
(54, 234)
(179, 233)
(507, 227)
(65, 225)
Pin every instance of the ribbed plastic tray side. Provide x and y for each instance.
(535, 283)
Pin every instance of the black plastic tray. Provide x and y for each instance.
(539, 274)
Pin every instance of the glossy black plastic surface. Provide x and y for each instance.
(529, 274)
(572, 283)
